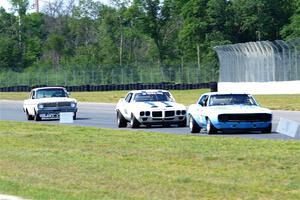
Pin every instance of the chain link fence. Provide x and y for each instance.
(259, 61)
(106, 74)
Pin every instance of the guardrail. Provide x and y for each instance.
(137, 86)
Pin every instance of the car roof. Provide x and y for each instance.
(42, 88)
(222, 93)
(147, 91)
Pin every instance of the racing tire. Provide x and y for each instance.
(74, 116)
(37, 117)
(268, 129)
(29, 117)
(210, 129)
(122, 122)
(134, 122)
(182, 123)
(194, 127)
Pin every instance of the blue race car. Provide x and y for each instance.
(224, 111)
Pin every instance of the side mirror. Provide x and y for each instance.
(68, 93)
(33, 97)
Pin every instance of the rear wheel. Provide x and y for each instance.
(268, 129)
(194, 127)
(210, 127)
(122, 122)
(29, 117)
(134, 122)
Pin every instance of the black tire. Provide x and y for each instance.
(29, 117)
(182, 123)
(210, 129)
(122, 122)
(74, 116)
(134, 122)
(194, 127)
(268, 129)
(37, 117)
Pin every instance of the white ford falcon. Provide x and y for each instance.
(149, 107)
(48, 103)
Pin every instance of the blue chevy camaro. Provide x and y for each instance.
(221, 111)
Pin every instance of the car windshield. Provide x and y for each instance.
(231, 99)
(156, 96)
(46, 93)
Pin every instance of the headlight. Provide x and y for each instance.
(73, 105)
(40, 106)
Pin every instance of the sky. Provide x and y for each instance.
(6, 5)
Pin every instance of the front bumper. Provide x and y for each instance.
(251, 126)
(54, 113)
(161, 120)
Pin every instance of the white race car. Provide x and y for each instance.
(217, 111)
(147, 107)
(48, 103)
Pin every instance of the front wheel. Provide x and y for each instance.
(210, 127)
(74, 116)
(122, 122)
(37, 117)
(134, 122)
(29, 117)
(194, 127)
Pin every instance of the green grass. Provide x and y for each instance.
(186, 97)
(40, 161)
(280, 102)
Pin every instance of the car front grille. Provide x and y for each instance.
(170, 113)
(156, 114)
(63, 104)
(259, 117)
(57, 104)
(49, 105)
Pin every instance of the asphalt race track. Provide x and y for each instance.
(104, 116)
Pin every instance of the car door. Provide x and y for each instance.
(203, 105)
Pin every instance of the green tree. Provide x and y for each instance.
(153, 16)
(195, 25)
(55, 45)
(21, 6)
(260, 19)
(292, 30)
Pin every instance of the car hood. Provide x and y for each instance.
(56, 99)
(165, 105)
(237, 109)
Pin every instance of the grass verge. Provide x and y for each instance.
(186, 97)
(39, 161)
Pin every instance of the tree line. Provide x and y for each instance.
(164, 33)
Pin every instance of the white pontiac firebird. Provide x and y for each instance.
(48, 103)
(149, 107)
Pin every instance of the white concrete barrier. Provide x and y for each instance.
(66, 117)
(280, 87)
(289, 127)
(8, 197)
